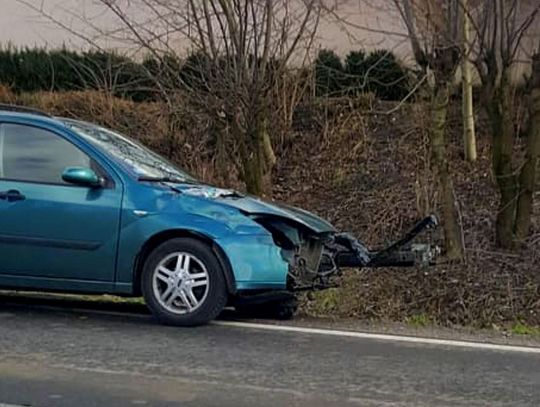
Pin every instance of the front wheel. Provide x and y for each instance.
(183, 284)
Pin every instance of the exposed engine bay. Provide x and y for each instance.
(316, 259)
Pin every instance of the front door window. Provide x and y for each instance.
(31, 154)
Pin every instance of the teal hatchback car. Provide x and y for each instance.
(85, 209)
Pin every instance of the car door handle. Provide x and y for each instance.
(12, 195)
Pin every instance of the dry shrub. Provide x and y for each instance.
(384, 187)
(6, 95)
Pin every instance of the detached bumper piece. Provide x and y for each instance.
(402, 253)
(345, 251)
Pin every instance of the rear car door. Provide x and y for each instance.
(50, 229)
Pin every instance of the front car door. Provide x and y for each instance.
(53, 234)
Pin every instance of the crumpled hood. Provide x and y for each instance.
(251, 205)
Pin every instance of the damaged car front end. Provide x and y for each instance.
(315, 258)
(315, 253)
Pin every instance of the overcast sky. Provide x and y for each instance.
(22, 26)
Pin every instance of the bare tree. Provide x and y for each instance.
(502, 28)
(469, 135)
(528, 174)
(243, 47)
(434, 31)
(240, 50)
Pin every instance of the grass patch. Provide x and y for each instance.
(106, 298)
(322, 303)
(519, 328)
(418, 320)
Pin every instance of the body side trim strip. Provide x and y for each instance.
(45, 242)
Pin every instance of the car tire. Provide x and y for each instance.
(173, 283)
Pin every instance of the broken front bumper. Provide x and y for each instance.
(402, 253)
(317, 269)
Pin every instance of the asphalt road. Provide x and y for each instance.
(59, 357)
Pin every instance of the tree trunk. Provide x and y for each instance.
(469, 136)
(219, 130)
(452, 231)
(503, 144)
(174, 128)
(253, 174)
(527, 177)
(252, 166)
(257, 155)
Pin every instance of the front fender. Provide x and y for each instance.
(255, 260)
(138, 228)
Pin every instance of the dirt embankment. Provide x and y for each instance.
(369, 174)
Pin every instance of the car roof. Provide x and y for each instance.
(30, 114)
(4, 107)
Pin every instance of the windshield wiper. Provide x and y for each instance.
(145, 178)
(165, 181)
(176, 180)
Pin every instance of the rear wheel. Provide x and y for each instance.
(183, 283)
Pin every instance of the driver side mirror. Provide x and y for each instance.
(82, 176)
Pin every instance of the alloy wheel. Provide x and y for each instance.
(180, 283)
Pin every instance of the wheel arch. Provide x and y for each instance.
(163, 236)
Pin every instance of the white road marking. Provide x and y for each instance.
(330, 332)
(10, 405)
(382, 337)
